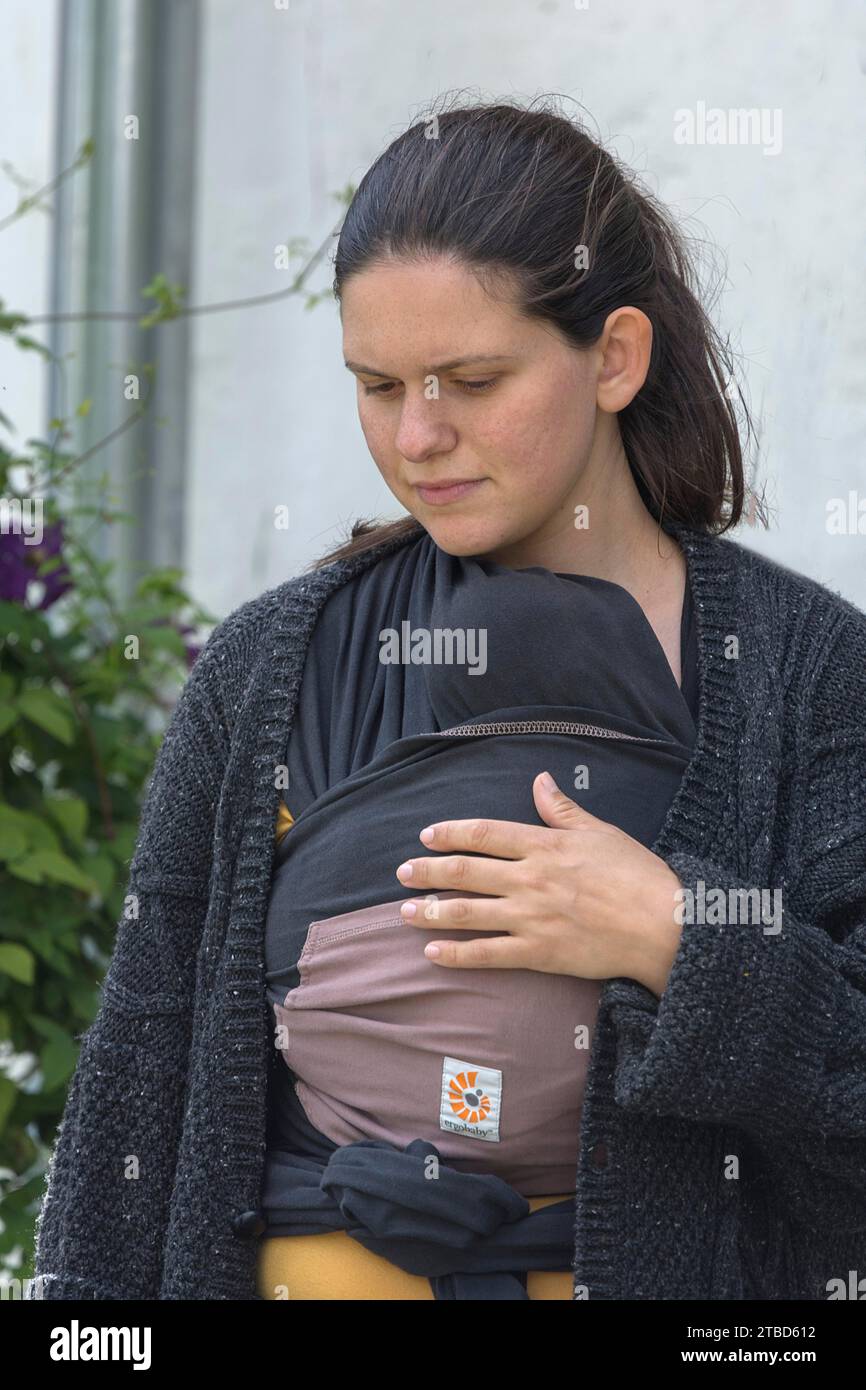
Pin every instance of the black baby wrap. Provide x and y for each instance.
(514, 671)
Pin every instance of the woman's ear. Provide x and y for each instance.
(625, 346)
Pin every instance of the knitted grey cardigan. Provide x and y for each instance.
(723, 1135)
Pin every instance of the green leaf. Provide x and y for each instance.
(39, 833)
(58, 1059)
(8, 717)
(21, 868)
(57, 867)
(7, 686)
(46, 1027)
(54, 562)
(70, 813)
(49, 951)
(161, 581)
(162, 639)
(31, 344)
(17, 961)
(8, 1096)
(14, 617)
(10, 321)
(122, 846)
(47, 710)
(103, 872)
(13, 842)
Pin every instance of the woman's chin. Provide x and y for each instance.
(463, 535)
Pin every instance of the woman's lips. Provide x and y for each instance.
(438, 495)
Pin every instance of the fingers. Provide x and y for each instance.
(473, 914)
(506, 839)
(459, 872)
(482, 953)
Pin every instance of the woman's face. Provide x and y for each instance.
(454, 385)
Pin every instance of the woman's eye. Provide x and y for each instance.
(468, 385)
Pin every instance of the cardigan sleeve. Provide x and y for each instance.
(764, 1029)
(101, 1225)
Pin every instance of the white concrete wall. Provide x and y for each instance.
(296, 102)
(28, 93)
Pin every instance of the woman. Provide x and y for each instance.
(542, 392)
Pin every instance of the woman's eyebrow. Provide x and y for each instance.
(442, 366)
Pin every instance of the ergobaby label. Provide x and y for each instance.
(471, 1099)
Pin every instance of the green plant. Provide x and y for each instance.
(86, 685)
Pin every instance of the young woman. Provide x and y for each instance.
(635, 1068)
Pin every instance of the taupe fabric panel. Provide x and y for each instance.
(490, 1064)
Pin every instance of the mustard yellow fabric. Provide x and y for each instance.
(285, 820)
(334, 1266)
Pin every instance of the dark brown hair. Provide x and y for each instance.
(505, 188)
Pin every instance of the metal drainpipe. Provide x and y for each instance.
(126, 216)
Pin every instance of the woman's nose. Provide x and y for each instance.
(423, 429)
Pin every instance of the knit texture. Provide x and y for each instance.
(723, 1136)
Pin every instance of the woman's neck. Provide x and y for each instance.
(622, 543)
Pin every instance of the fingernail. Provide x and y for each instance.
(408, 909)
(404, 871)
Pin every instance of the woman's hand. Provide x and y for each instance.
(579, 898)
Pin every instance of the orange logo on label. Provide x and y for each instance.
(467, 1100)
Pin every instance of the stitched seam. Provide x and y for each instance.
(311, 946)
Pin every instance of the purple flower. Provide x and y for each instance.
(20, 561)
(192, 650)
